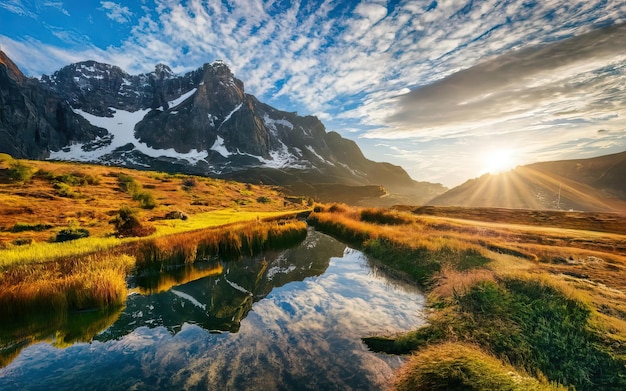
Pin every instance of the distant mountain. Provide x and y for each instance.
(202, 122)
(596, 184)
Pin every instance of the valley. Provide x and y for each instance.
(177, 224)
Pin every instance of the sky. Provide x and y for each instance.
(449, 90)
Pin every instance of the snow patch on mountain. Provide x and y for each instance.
(219, 147)
(310, 148)
(230, 115)
(121, 127)
(181, 99)
(271, 123)
(282, 158)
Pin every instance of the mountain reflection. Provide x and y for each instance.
(218, 295)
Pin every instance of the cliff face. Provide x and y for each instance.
(33, 119)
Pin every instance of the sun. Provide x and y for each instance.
(498, 160)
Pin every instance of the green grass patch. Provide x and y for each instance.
(457, 366)
(67, 234)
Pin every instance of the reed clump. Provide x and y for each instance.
(230, 241)
(98, 280)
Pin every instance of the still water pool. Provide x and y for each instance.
(288, 320)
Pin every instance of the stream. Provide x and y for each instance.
(282, 320)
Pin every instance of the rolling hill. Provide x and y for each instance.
(596, 184)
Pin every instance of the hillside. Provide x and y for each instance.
(595, 184)
(61, 195)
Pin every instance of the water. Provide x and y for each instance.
(286, 320)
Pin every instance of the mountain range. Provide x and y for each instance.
(202, 122)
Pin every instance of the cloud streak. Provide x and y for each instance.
(116, 12)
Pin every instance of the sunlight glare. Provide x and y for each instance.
(498, 160)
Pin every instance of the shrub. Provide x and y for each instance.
(146, 200)
(189, 183)
(127, 223)
(134, 188)
(22, 241)
(21, 227)
(264, 200)
(65, 190)
(128, 184)
(67, 234)
(20, 172)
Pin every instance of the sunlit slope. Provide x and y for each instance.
(57, 195)
(596, 184)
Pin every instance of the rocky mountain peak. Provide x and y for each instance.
(163, 71)
(221, 73)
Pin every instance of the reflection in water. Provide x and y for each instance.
(294, 318)
(62, 330)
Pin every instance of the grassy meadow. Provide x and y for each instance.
(70, 234)
(537, 303)
(517, 300)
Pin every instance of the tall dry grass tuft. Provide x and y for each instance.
(231, 241)
(94, 281)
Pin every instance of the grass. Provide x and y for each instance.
(547, 301)
(98, 197)
(43, 275)
(98, 279)
(79, 283)
(460, 366)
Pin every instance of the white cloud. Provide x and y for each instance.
(18, 7)
(116, 12)
(57, 5)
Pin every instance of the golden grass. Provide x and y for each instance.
(451, 282)
(47, 251)
(38, 201)
(88, 282)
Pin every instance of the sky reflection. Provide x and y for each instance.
(302, 335)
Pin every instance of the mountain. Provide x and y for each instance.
(202, 122)
(35, 120)
(595, 184)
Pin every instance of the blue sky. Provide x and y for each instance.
(446, 89)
